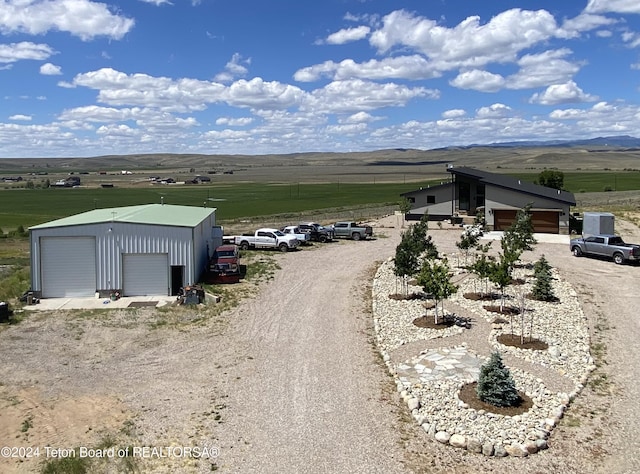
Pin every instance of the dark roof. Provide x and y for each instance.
(515, 184)
(428, 188)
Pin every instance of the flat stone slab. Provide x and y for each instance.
(451, 364)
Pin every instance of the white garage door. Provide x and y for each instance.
(145, 274)
(68, 266)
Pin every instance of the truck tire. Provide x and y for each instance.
(244, 245)
(322, 238)
(577, 252)
(356, 236)
(283, 247)
(618, 258)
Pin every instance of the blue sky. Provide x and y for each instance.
(89, 78)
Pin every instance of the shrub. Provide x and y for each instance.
(542, 289)
(495, 384)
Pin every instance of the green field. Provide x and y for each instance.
(29, 207)
(587, 182)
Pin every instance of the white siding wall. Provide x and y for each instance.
(185, 246)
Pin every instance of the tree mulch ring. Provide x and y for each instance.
(469, 396)
(530, 343)
(553, 299)
(508, 310)
(428, 322)
(403, 297)
(477, 296)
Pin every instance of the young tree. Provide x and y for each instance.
(495, 384)
(542, 288)
(482, 268)
(469, 239)
(406, 261)
(519, 235)
(435, 280)
(405, 207)
(500, 275)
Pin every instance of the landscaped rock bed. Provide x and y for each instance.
(431, 381)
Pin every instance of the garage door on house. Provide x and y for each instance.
(503, 218)
(68, 266)
(145, 274)
(545, 222)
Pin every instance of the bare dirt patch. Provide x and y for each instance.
(28, 418)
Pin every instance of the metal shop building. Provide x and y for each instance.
(152, 249)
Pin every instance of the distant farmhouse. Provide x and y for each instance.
(151, 249)
(497, 195)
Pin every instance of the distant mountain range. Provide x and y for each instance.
(619, 141)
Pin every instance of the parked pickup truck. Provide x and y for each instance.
(351, 230)
(611, 246)
(317, 232)
(224, 265)
(265, 239)
(303, 237)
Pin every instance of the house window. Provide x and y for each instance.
(431, 199)
(411, 199)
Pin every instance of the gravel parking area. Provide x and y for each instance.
(291, 380)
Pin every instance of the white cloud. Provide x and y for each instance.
(360, 117)
(24, 118)
(158, 2)
(120, 89)
(85, 19)
(49, 69)
(454, 113)
(10, 53)
(357, 95)
(482, 81)
(566, 93)
(233, 69)
(469, 44)
(572, 27)
(631, 38)
(348, 35)
(413, 67)
(234, 122)
(613, 6)
(543, 69)
(493, 111)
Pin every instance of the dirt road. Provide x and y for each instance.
(290, 382)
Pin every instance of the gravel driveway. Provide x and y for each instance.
(290, 382)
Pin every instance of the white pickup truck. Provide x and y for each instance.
(303, 237)
(266, 239)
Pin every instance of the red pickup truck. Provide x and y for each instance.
(224, 266)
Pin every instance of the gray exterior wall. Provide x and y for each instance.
(442, 195)
(185, 246)
(501, 198)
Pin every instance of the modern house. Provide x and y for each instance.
(151, 249)
(497, 195)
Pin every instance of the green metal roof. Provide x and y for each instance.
(155, 214)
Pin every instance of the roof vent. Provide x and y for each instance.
(558, 191)
(519, 182)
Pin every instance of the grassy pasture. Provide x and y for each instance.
(29, 207)
(590, 182)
